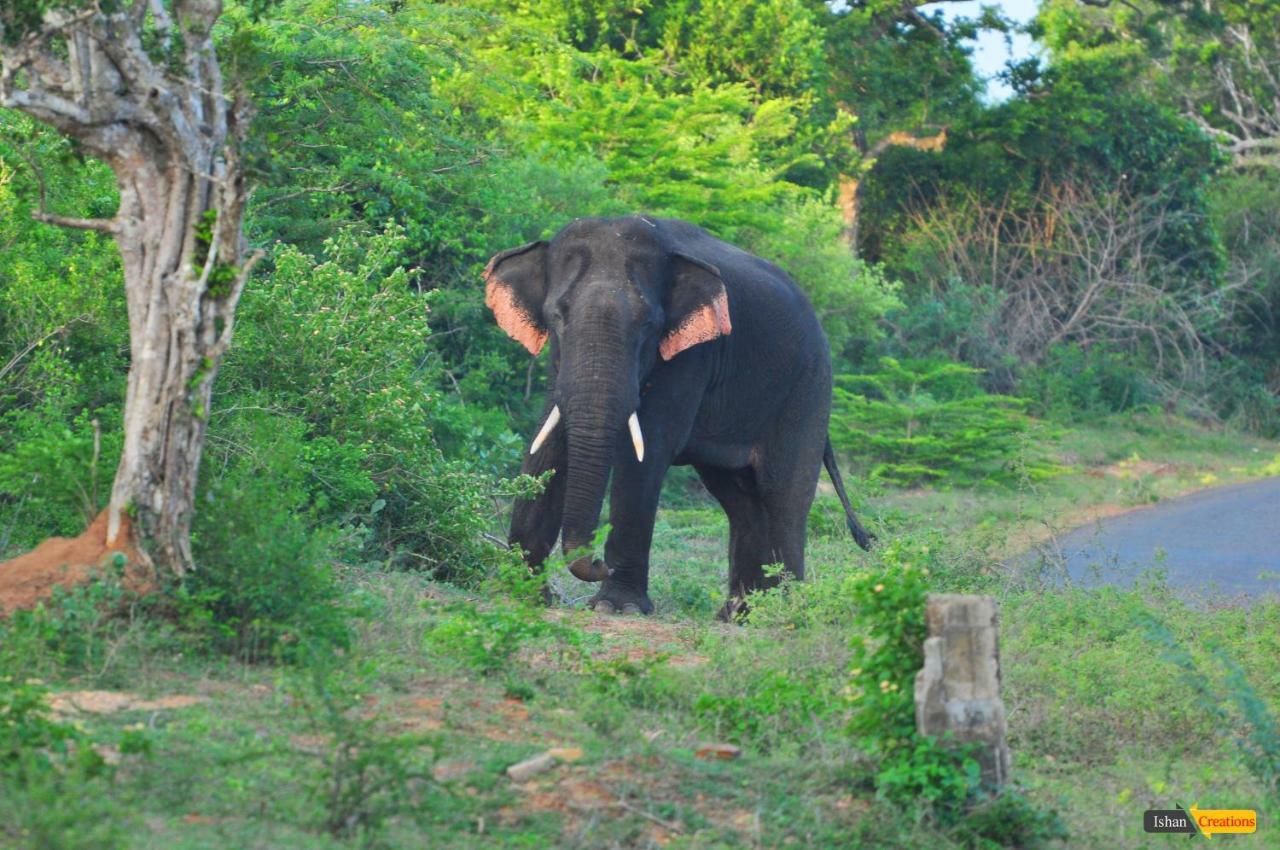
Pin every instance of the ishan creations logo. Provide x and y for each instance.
(1206, 822)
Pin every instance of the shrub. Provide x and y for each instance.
(920, 421)
(52, 781)
(264, 585)
(890, 602)
(362, 777)
(487, 639)
(926, 774)
(776, 700)
(342, 342)
(1231, 700)
(959, 322)
(1073, 383)
(75, 629)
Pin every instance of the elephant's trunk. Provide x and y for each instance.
(594, 415)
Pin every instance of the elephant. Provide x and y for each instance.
(668, 347)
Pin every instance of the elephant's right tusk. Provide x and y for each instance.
(547, 428)
(637, 438)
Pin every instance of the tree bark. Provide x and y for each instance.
(169, 133)
(849, 197)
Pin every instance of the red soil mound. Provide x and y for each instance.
(67, 562)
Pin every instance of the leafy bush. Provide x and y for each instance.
(773, 702)
(76, 629)
(263, 584)
(363, 777)
(1010, 820)
(1074, 384)
(890, 603)
(53, 782)
(958, 321)
(487, 639)
(1231, 700)
(57, 469)
(63, 339)
(927, 774)
(343, 344)
(927, 420)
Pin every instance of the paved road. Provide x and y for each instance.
(1218, 541)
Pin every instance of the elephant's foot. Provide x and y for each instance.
(617, 599)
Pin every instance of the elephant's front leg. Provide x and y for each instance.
(633, 506)
(535, 523)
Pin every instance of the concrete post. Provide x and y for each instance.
(958, 689)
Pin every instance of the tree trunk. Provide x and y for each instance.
(181, 302)
(159, 118)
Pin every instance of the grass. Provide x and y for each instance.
(404, 736)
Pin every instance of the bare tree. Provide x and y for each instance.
(1079, 265)
(137, 84)
(1221, 63)
(1241, 95)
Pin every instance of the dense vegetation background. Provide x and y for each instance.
(1106, 240)
(1089, 245)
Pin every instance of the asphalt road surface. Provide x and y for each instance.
(1222, 542)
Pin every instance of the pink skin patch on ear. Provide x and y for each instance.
(701, 326)
(511, 317)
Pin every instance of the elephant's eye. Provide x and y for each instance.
(558, 311)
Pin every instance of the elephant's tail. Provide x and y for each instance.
(860, 534)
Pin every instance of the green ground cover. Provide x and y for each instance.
(1118, 699)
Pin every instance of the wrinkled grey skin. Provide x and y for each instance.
(748, 409)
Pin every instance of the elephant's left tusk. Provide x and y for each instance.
(547, 428)
(637, 438)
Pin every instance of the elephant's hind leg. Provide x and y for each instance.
(749, 548)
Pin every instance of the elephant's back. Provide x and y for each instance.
(747, 277)
(777, 354)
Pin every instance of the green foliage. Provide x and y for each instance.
(1075, 383)
(1010, 819)
(772, 705)
(930, 775)
(343, 344)
(58, 471)
(363, 777)
(26, 728)
(890, 602)
(897, 67)
(487, 639)
(1225, 692)
(264, 586)
(77, 629)
(52, 781)
(63, 340)
(917, 421)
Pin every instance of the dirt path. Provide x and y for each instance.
(1222, 541)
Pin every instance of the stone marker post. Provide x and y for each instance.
(958, 689)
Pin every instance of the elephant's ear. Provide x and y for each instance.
(697, 306)
(515, 287)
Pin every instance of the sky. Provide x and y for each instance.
(990, 50)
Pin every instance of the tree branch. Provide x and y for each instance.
(102, 225)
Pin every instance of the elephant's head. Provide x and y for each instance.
(613, 297)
